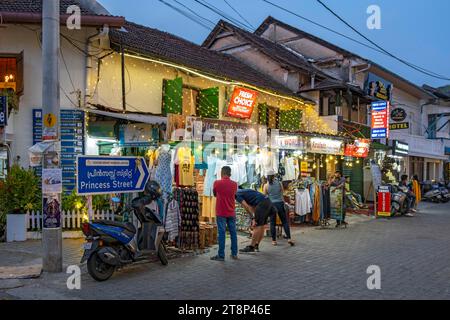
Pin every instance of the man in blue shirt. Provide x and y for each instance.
(260, 208)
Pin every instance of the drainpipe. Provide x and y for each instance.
(87, 72)
(124, 101)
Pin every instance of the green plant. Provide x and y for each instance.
(72, 201)
(100, 202)
(20, 191)
(13, 99)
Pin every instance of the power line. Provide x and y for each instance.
(420, 69)
(196, 14)
(237, 12)
(222, 14)
(322, 26)
(185, 14)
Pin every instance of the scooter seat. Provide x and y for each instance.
(126, 225)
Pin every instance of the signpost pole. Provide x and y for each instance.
(51, 202)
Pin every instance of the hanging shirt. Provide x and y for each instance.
(303, 204)
(185, 162)
(289, 166)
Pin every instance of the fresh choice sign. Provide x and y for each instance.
(242, 103)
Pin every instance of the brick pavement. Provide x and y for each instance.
(412, 253)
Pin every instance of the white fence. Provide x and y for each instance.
(71, 220)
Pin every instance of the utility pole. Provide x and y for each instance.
(51, 166)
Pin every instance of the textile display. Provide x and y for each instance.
(172, 221)
(187, 199)
(337, 203)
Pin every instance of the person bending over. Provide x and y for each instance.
(260, 208)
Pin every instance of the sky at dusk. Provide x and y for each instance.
(415, 30)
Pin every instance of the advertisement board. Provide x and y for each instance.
(242, 103)
(384, 202)
(380, 120)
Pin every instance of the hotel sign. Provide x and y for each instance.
(399, 126)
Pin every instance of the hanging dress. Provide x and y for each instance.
(163, 173)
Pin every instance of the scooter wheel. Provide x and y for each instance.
(162, 255)
(99, 270)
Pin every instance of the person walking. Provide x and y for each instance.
(225, 191)
(274, 190)
(260, 208)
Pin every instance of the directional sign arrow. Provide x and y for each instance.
(105, 175)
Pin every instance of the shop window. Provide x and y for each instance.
(172, 96)
(327, 104)
(11, 72)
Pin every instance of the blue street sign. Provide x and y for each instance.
(3, 111)
(104, 175)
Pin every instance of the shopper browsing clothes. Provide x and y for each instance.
(274, 190)
(260, 209)
(225, 192)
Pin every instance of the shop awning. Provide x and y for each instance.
(137, 117)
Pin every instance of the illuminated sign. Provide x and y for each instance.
(400, 148)
(398, 114)
(242, 103)
(380, 123)
(378, 87)
(360, 149)
(326, 146)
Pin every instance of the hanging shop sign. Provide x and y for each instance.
(380, 120)
(400, 148)
(325, 146)
(136, 135)
(290, 142)
(3, 111)
(398, 115)
(360, 149)
(378, 87)
(242, 103)
(399, 126)
(384, 201)
(105, 175)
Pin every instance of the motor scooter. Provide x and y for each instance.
(432, 193)
(111, 245)
(399, 202)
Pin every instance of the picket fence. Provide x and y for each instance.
(71, 220)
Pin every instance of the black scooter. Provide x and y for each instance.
(111, 245)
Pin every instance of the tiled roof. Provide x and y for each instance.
(271, 20)
(276, 51)
(35, 6)
(167, 47)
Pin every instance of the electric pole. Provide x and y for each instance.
(51, 164)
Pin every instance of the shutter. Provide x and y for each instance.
(208, 103)
(173, 96)
(262, 114)
(19, 75)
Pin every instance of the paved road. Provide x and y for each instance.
(413, 254)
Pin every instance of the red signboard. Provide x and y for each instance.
(242, 103)
(360, 149)
(384, 203)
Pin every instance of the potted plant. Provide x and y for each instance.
(20, 194)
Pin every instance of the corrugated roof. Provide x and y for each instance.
(168, 47)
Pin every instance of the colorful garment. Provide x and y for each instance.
(210, 176)
(163, 173)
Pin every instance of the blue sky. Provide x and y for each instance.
(415, 30)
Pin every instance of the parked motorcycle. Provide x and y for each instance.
(445, 194)
(432, 192)
(110, 245)
(399, 202)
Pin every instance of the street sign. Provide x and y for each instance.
(105, 175)
(3, 111)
